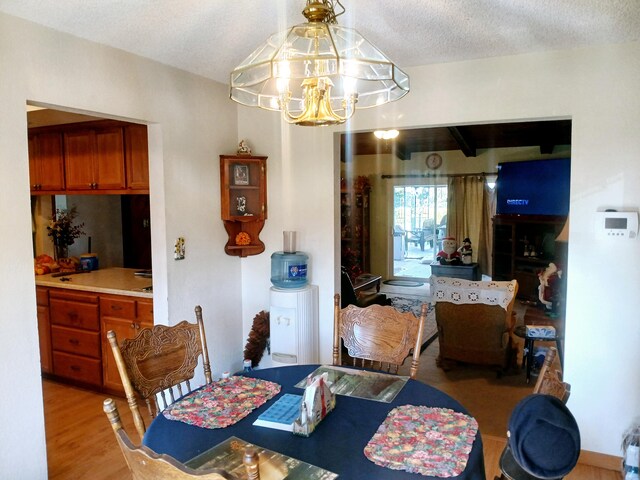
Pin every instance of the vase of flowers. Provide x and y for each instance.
(63, 231)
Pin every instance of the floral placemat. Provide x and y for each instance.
(222, 403)
(424, 440)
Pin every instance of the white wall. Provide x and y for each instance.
(191, 122)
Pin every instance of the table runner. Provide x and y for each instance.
(424, 440)
(222, 403)
(458, 291)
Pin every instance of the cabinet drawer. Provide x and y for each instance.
(117, 307)
(145, 311)
(74, 296)
(74, 314)
(75, 367)
(75, 341)
(42, 296)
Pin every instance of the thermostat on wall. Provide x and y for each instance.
(613, 224)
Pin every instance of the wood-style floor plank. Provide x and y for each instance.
(80, 441)
(81, 444)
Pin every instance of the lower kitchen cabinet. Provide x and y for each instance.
(44, 329)
(75, 336)
(73, 328)
(126, 316)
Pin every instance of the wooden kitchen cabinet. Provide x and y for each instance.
(44, 329)
(73, 328)
(75, 336)
(137, 158)
(105, 157)
(126, 316)
(94, 159)
(243, 190)
(46, 162)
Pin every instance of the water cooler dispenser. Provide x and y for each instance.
(293, 315)
(293, 323)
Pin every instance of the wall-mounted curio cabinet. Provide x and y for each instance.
(243, 187)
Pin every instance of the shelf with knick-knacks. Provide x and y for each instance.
(243, 190)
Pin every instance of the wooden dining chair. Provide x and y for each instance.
(158, 363)
(549, 383)
(377, 337)
(550, 378)
(145, 464)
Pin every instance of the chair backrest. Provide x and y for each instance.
(348, 293)
(145, 464)
(377, 337)
(159, 360)
(550, 378)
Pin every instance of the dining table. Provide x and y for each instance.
(337, 444)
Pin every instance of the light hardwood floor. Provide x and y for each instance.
(81, 444)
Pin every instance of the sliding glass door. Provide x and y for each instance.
(419, 224)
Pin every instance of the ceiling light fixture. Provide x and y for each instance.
(318, 72)
(386, 134)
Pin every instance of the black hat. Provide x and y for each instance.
(544, 437)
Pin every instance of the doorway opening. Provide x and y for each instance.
(419, 225)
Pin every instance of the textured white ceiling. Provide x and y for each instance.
(210, 37)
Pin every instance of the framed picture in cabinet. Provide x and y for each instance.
(241, 175)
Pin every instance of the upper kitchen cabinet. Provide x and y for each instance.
(94, 159)
(106, 157)
(137, 157)
(46, 162)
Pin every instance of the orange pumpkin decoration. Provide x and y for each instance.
(243, 238)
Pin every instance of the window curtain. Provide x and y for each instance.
(466, 216)
(486, 232)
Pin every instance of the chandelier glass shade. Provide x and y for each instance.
(317, 73)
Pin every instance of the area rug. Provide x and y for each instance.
(403, 283)
(414, 304)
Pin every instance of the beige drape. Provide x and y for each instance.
(469, 213)
(486, 232)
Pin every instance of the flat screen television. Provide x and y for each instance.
(534, 187)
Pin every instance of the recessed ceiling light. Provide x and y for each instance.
(386, 134)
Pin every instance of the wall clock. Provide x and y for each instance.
(433, 161)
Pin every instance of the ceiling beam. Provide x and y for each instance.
(467, 145)
(401, 150)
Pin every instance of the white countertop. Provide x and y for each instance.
(119, 281)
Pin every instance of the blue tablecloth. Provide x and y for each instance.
(338, 442)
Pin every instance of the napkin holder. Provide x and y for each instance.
(317, 402)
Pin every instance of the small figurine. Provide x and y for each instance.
(448, 255)
(241, 205)
(549, 285)
(466, 251)
(243, 148)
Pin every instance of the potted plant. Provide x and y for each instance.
(63, 232)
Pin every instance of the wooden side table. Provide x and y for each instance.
(466, 272)
(536, 316)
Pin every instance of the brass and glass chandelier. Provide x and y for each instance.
(317, 73)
